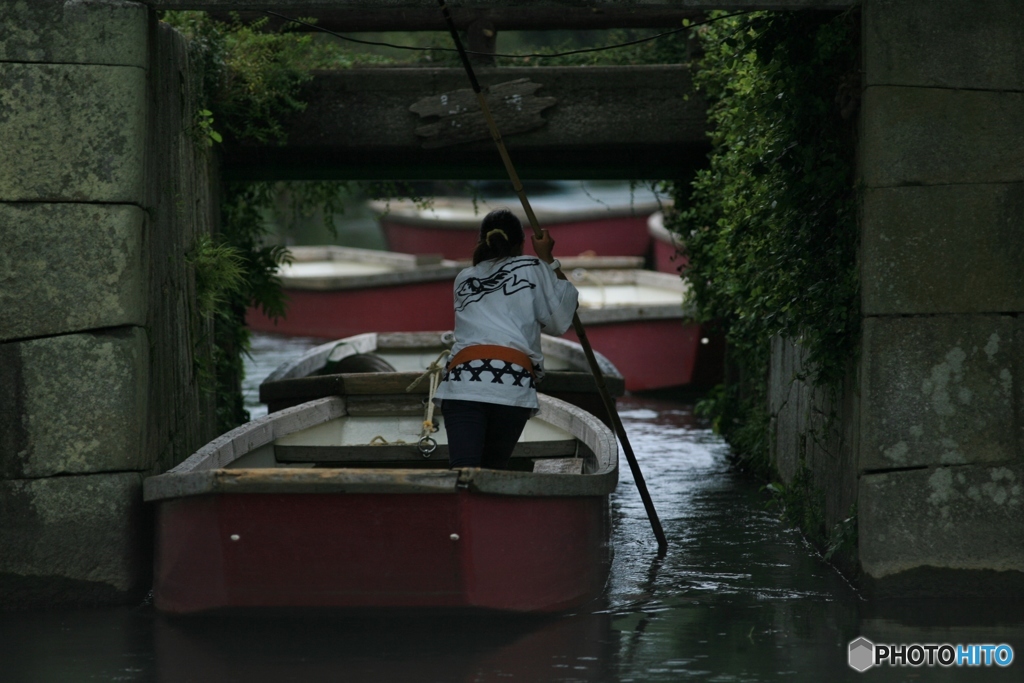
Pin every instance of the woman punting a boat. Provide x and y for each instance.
(502, 303)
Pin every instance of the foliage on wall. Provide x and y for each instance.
(250, 80)
(769, 226)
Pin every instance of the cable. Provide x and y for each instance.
(522, 56)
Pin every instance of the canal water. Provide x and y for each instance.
(738, 597)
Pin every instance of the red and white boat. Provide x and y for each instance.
(583, 217)
(336, 503)
(665, 248)
(342, 291)
(640, 320)
(318, 372)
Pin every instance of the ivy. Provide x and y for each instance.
(251, 81)
(769, 226)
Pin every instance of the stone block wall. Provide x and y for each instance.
(103, 189)
(941, 436)
(813, 441)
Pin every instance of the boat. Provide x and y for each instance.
(342, 291)
(318, 372)
(666, 255)
(642, 322)
(343, 502)
(583, 218)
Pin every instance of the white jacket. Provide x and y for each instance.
(505, 302)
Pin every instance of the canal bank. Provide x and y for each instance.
(738, 597)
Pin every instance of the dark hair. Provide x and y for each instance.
(501, 235)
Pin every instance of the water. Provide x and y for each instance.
(739, 597)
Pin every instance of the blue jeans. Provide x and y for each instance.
(482, 434)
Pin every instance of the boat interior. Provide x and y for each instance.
(388, 432)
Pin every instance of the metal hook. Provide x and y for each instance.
(426, 446)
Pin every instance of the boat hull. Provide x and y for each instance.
(430, 550)
(666, 257)
(417, 306)
(650, 354)
(618, 236)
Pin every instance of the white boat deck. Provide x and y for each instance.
(332, 269)
(594, 296)
(368, 430)
(621, 295)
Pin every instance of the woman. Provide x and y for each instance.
(488, 390)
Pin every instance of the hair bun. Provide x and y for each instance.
(492, 233)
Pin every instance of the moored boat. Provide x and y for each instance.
(665, 252)
(340, 502)
(317, 372)
(640, 320)
(582, 217)
(341, 291)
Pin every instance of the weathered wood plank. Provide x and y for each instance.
(386, 406)
(614, 122)
(559, 466)
(319, 386)
(457, 116)
(404, 7)
(397, 453)
(501, 18)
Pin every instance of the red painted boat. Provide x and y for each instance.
(584, 218)
(300, 508)
(640, 321)
(665, 248)
(342, 291)
(313, 374)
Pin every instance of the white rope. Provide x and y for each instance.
(433, 373)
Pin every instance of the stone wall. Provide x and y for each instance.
(930, 437)
(102, 192)
(941, 456)
(813, 443)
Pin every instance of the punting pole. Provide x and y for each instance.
(581, 333)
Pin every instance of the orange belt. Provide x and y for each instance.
(491, 352)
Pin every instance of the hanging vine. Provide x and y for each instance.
(769, 227)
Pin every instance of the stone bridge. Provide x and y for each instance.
(103, 190)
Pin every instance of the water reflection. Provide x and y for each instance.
(378, 647)
(738, 597)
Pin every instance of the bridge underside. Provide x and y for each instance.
(571, 122)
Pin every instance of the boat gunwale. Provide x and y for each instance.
(332, 252)
(204, 472)
(446, 270)
(370, 342)
(466, 218)
(633, 312)
(657, 230)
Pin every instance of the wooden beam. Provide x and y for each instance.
(502, 18)
(609, 122)
(310, 7)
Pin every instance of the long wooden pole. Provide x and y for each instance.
(581, 333)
